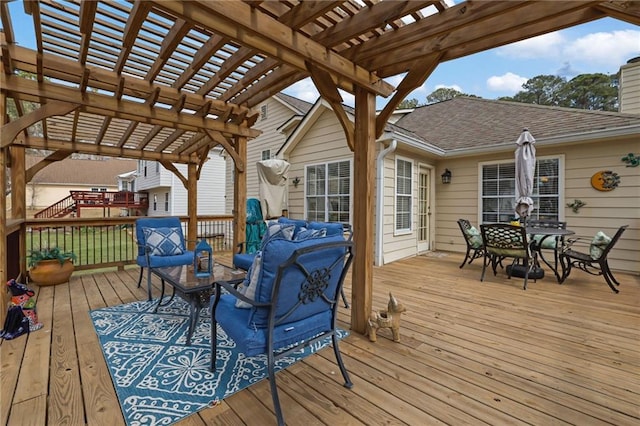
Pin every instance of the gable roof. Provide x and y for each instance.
(464, 124)
(470, 123)
(300, 106)
(71, 171)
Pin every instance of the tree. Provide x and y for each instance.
(446, 93)
(592, 91)
(408, 104)
(542, 90)
(443, 94)
(585, 91)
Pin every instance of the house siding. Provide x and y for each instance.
(604, 211)
(324, 142)
(271, 138)
(211, 188)
(402, 245)
(629, 93)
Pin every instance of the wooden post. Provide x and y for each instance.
(240, 194)
(19, 197)
(192, 205)
(364, 174)
(4, 298)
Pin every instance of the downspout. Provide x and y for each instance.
(380, 198)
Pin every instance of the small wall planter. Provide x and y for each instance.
(51, 272)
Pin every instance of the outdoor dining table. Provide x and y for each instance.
(536, 245)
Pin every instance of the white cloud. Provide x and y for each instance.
(303, 89)
(604, 48)
(591, 52)
(508, 82)
(546, 45)
(449, 86)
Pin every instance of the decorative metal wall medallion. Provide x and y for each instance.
(605, 180)
(631, 159)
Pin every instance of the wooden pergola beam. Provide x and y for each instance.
(58, 68)
(329, 92)
(106, 150)
(417, 75)
(11, 129)
(628, 11)
(108, 106)
(51, 158)
(238, 21)
(483, 20)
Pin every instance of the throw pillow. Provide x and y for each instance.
(475, 239)
(250, 283)
(547, 243)
(277, 230)
(306, 234)
(163, 241)
(598, 244)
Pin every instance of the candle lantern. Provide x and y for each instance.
(203, 259)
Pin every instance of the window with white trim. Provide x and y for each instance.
(404, 171)
(498, 190)
(266, 154)
(328, 192)
(166, 201)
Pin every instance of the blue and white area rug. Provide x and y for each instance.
(158, 379)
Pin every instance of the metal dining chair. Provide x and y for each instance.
(503, 241)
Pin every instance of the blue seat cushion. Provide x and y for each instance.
(252, 341)
(243, 260)
(333, 228)
(185, 258)
(275, 253)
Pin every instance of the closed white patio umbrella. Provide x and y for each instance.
(525, 170)
(272, 178)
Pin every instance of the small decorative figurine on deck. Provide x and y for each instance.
(386, 319)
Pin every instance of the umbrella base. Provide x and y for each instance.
(518, 271)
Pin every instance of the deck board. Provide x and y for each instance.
(471, 352)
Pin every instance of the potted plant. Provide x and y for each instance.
(50, 266)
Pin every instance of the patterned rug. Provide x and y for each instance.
(160, 380)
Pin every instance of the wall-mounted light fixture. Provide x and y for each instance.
(446, 176)
(296, 181)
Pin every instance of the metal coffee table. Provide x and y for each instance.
(195, 291)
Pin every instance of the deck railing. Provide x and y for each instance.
(108, 242)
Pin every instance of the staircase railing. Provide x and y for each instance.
(61, 208)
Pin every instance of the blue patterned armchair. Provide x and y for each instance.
(290, 302)
(245, 260)
(160, 243)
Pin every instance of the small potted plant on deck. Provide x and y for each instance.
(50, 266)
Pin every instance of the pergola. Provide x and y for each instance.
(169, 80)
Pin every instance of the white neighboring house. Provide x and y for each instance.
(277, 114)
(167, 194)
(127, 181)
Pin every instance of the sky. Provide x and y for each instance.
(601, 46)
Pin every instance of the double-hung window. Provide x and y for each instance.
(498, 190)
(404, 171)
(328, 192)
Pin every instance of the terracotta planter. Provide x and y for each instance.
(51, 272)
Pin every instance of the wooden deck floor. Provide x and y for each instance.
(471, 353)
